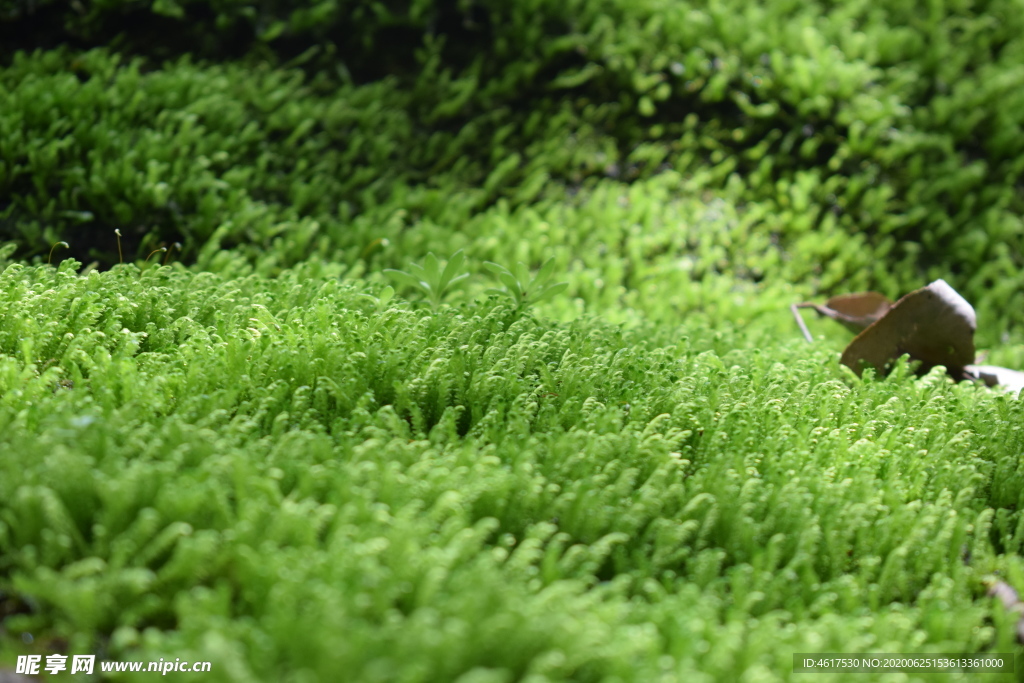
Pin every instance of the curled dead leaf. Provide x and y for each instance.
(855, 311)
(933, 325)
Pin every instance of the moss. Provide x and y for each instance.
(257, 456)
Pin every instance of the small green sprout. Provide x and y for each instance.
(55, 245)
(430, 278)
(382, 301)
(524, 290)
(120, 255)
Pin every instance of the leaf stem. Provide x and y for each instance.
(795, 308)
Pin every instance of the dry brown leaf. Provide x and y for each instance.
(855, 311)
(933, 325)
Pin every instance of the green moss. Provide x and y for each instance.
(260, 456)
(469, 491)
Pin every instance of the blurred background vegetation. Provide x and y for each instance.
(833, 146)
